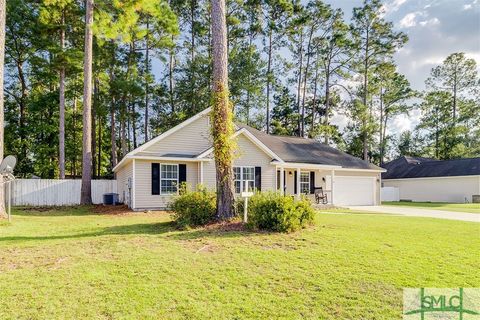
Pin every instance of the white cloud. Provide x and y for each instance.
(408, 21)
(340, 120)
(403, 122)
(430, 22)
(393, 6)
(467, 6)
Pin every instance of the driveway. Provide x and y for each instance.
(417, 212)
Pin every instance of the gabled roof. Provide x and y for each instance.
(253, 139)
(417, 167)
(303, 150)
(282, 149)
(151, 142)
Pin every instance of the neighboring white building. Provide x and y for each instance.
(424, 179)
(148, 176)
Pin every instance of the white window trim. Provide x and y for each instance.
(303, 182)
(241, 177)
(173, 193)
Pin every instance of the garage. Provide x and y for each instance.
(354, 191)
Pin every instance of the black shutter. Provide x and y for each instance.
(182, 173)
(312, 182)
(278, 180)
(284, 181)
(295, 182)
(258, 178)
(155, 178)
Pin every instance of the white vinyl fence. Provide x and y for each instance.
(54, 192)
(390, 194)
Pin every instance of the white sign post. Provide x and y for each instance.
(245, 196)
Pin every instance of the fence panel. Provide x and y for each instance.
(55, 192)
(390, 194)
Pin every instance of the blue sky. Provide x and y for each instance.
(436, 28)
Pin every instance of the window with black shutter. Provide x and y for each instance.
(182, 173)
(258, 178)
(312, 182)
(155, 178)
(295, 182)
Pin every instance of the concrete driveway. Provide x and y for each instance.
(420, 212)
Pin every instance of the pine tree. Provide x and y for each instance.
(222, 113)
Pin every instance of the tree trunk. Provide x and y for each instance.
(365, 97)
(299, 88)
(314, 100)
(2, 59)
(222, 124)
(171, 63)
(99, 156)
(123, 130)
(302, 133)
(327, 105)
(74, 137)
(133, 120)
(61, 129)
(269, 76)
(113, 135)
(86, 194)
(193, 5)
(147, 62)
(381, 127)
(23, 108)
(94, 125)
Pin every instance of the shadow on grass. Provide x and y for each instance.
(144, 229)
(140, 229)
(55, 211)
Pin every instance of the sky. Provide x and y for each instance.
(436, 28)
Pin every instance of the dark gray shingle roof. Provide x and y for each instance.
(303, 150)
(417, 167)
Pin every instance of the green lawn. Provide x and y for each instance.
(459, 207)
(74, 264)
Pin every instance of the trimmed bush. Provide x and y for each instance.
(274, 212)
(194, 208)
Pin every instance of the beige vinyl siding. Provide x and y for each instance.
(123, 174)
(209, 175)
(191, 139)
(436, 189)
(248, 154)
(144, 199)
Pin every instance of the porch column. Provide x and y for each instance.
(332, 185)
(282, 181)
(201, 172)
(298, 183)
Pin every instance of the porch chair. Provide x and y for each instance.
(320, 196)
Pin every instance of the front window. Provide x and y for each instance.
(244, 179)
(305, 182)
(168, 178)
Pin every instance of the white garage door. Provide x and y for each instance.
(354, 191)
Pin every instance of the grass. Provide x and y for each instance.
(72, 264)
(445, 206)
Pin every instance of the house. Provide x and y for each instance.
(425, 179)
(148, 176)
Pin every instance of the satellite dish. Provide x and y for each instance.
(8, 164)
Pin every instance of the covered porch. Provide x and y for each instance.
(307, 179)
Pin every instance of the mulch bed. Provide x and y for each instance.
(234, 225)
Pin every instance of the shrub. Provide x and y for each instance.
(194, 208)
(274, 212)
